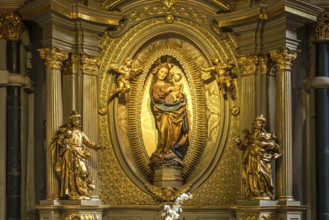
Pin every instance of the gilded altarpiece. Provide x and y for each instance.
(189, 39)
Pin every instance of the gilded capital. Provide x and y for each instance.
(321, 28)
(248, 65)
(53, 57)
(90, 64)
(283, 58)
(11, 26)
(71, 65)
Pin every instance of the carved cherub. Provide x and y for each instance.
(124, 74)
(225, 75)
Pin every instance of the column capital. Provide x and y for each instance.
(321, 27)
(71, 64)
(90, 64)
(53, 57)
(283, 58)
(248, 65)
(11, 25)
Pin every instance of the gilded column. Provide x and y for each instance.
(283, 59)
(11, 28)
(90, 71)
(53, 58)
(322, 115)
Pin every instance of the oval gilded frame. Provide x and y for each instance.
(199, 134)
(130, 45)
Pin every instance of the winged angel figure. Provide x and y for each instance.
(124, 74)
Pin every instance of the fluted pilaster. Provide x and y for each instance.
(90, 71)
(53, 58)
(71, 71)
(283, 59)
(248, 67)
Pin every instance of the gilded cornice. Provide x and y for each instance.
(11, 26)
(90, 64)
(34, 9)
(11, 4)
(53, 57)
(321, 28)
(302, 10)
(248, 65)
(283, 58)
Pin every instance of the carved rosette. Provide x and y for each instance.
(11, 26)
(248, 65)
(283, 58)
(53, 57)
(321, 28)
(90, 64)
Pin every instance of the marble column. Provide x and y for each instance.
(13, 155)
(283, 59)
(90, 71)
(53, 58)
(321, 86)
(11, 29)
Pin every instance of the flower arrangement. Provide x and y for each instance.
(173, 212)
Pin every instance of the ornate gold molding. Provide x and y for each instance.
(53, 57)
(11, 26)
(90, 64)
(321, 28)
(283, 58)
(169, 3)
(168, 193)
(89, 216)
(248, 65)
(223, 182)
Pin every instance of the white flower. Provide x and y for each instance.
(172, 212)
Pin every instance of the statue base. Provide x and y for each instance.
(269, 209)
(168, 176)
(70, 209)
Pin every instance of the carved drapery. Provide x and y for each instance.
(53, 58)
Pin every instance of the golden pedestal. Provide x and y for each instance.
(70, 209)
(269, 209)
(168, 176)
